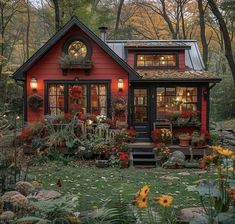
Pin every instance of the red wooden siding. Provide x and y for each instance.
(48, 68)
(181, 60)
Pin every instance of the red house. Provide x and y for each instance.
(155, 78)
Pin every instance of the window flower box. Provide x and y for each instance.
(82, 65)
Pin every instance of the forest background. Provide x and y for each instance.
(25, 25)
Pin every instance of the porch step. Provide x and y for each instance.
(142, 155)
(143, 139)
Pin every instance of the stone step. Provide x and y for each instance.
(147, 150)
(144, 166)
(144, 160)
(144, 155)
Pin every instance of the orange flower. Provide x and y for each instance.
(141, 197)
(231, 192)
(165, 201)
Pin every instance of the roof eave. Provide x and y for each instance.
(158, 47)
(182, 80)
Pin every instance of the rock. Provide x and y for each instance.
(184, 174)
(44, 195)
(165, 177)
(231, 142)
(188, 214)
(199, 181)
(218, 127)
(7, 216)
(15, 198)
(199, 172)
(177, 159)
(24, 187)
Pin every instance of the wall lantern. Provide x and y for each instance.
(120, 84)
(34, 84)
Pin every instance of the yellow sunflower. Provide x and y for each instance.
(144, 191)
(141, 197)
(142, 202)
(226, 152)
(165, 201)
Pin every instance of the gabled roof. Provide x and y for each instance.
(19, 74)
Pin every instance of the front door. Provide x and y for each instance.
(142, 111)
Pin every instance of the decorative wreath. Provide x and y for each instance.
(76, 92)
(35, 102)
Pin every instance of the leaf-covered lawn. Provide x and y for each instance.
(95, 186)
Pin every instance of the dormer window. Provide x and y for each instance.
(156, 60)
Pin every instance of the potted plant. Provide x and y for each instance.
(161, 135)
(162, 153)
(35, 103)
(26, 137)
(198, 139)
(62, 137)
(184, 139)
(101, 150)
(124, 156)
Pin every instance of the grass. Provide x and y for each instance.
(95, 186)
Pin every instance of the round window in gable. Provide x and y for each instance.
(78, 49)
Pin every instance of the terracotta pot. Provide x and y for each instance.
(124, 163)
(184, 141)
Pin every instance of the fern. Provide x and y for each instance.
(148, 216)
(32, 219)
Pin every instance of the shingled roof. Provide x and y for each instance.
(177, 75)
(157, 44)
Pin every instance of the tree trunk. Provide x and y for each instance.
(227, 41)
(28, 29)
(203, 33)
(57, 14)
(118, 15)
(168, 21)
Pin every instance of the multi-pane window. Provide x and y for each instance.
(56, 99)
(77, 99)
(175, 99)
(156, 60)
(98, 99)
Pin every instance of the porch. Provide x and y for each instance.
(182, 108)
(143, 156)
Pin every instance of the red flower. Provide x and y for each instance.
(76, 91)
(186, 114)
(131, 132)
(123, 156)
(26, 135)
(68, 116)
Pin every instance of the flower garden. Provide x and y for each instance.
(59, 177)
